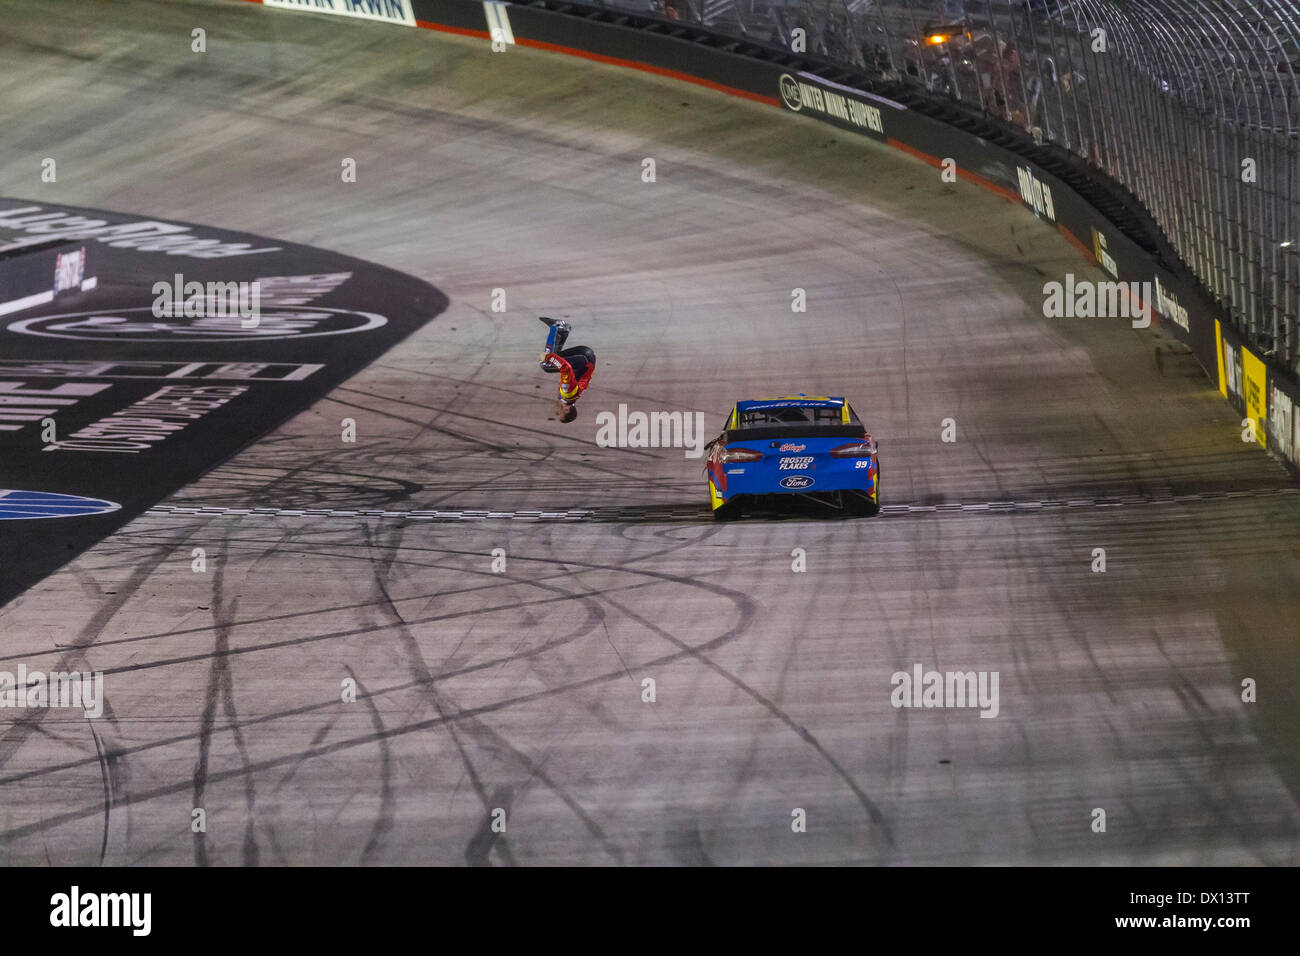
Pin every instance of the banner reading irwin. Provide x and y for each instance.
(191, 343)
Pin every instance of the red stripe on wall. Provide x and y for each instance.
(648, 68)
(1003, 191)
(1074, 240)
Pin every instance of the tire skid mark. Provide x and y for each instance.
(221, 687)
(206, 717)
(418, 667)
(533, 769)
(485, 839)
(397, 688)
(72, 657)
(105, 774)
(304, 709)
(353, 632)
(873, 812)
(747, 608)
(441, 429)
(682, 513)
(111, 758)
(275, 618)
(321, 733)
(439, 411)
(595, 616)
(387, 802)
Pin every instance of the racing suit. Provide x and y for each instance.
(575, 365)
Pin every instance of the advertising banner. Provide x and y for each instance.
(1255, 393)
(386, 11)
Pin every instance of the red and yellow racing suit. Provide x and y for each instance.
(576, 367)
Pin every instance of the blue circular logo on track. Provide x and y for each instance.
(20, 505)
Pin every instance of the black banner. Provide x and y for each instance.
(917, 908)
(186, 344)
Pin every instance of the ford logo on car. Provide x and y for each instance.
(796, 481)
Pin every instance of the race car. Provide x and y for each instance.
(816, 448)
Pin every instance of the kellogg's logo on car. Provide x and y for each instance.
(791, 446)
(796, 481)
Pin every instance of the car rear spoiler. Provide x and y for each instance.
(803, 430)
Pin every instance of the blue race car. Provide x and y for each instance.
(816, 448)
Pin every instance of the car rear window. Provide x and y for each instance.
(790, 415)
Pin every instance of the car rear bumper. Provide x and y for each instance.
(760, 479)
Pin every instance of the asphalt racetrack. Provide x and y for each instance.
(522, 689)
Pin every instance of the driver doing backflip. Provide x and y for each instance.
(575, 366)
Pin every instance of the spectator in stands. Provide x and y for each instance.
(884, 65)
(1018, 111)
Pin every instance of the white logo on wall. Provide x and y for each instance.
(796, 94)
(1281, 415)
(1104, 258)
(1232, 367)
(389, 11)
(790, 92)
(128, 325)
(1037, 195)
(498, 24)
(1170, 308)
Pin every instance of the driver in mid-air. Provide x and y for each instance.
(575, 366)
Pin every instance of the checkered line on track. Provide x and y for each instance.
(684, 513)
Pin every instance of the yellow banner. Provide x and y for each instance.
(1254, 382)
(1218, 350)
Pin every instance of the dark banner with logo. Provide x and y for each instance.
(185, 344)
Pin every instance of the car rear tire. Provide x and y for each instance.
(873, 502)
(728, 512)
(861, 504)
